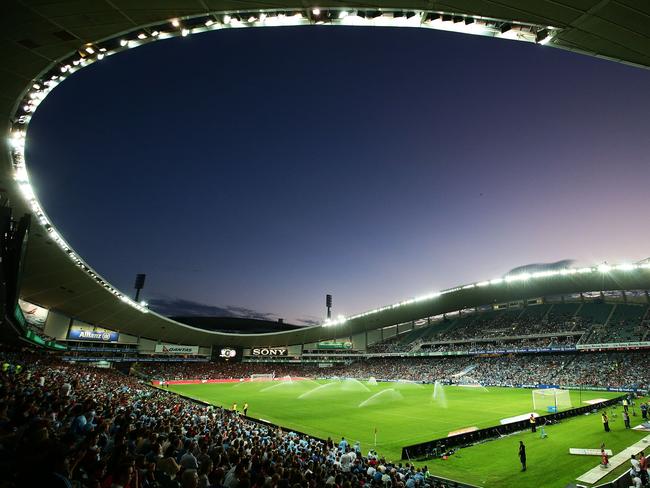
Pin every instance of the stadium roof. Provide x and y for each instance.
(46, 40)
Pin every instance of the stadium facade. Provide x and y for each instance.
(44, 43)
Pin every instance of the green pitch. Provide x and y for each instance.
(406, 413)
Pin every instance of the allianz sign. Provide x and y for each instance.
(270, 351)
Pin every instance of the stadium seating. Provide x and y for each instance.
(616, 369)
(584, 323)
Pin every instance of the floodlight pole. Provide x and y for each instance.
(139, 285)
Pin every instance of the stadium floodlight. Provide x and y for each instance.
(343, 14)
(142, 35)
(604, 268)
(175, 22)
(90, 50)
(123, 42)
(544, 36)
(315, 11)
(518, 277)
(428, 296)
(626, 267)
(496, 281)
(185, 32)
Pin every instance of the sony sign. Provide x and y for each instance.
(270, 351)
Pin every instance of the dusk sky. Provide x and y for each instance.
(252, 171)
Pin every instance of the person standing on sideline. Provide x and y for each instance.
(626, 403)
(522, 455)
(626, 419)
(533, 422)
(604, 458)
(605, 422)
(644, 411)
(245, 409)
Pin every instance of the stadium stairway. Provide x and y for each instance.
(465, 371)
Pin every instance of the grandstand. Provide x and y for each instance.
(88, 375)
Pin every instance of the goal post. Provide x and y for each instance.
(551, 399)
(262, 377)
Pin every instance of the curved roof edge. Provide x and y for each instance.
(44, 43)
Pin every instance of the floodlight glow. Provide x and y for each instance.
(227, 19)
(90, 50)
(142, 35)
(185, 32)
(175, 22)
(343, 14)
(604, 268)
(626, 267)
(209, 22)
(123, 42)
(546, 40)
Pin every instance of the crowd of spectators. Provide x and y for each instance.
(500, 345)
(595, 369)
(63, 425)
(617, 370)
(222, 370)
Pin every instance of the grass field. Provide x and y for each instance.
(406, 413)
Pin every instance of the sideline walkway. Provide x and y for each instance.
(593, 475)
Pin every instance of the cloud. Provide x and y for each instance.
(180, 307)
(537, 267)
(308, 321)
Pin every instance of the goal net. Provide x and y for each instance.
(551, 399)
(262, 377)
